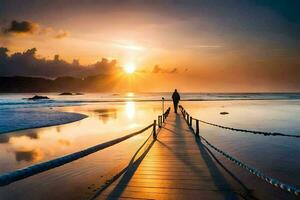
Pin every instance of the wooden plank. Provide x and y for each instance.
(176, 167)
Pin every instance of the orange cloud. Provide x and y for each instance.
(158, 69)
(62, 34)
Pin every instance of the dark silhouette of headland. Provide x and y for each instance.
(19, 84)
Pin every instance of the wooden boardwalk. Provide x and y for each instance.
(176, 166)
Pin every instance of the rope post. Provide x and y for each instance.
(154, 130)
(187, 118)
(163, 109)
(197, 127)
(191, 121)
(159, 121)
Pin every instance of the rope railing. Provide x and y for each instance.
(286, 187)
(274, 182)
(26, 172)
(238, 129)
(161, 118)
(249, 131)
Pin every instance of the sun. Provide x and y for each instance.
(129, 68)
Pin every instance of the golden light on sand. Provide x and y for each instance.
(129, 68)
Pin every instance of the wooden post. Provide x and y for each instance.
(154, 130)
(159, 121)
(197, 127)
(163, 109)
(187, 118)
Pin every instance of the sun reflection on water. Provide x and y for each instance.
(130, 94)
(130, 109)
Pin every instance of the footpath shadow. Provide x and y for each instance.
(222, 184)
(219, 180)
(180, 144)
(122, 184)
(226, 188)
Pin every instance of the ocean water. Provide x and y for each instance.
(14, 108)
(80, 121)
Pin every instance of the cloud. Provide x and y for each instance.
(62, 34)
(174, 70)
(158, 69)
(21, 27)
(27, 64)
(32, 28)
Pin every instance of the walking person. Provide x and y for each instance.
(176, 98)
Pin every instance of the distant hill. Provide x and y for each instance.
(16, 84)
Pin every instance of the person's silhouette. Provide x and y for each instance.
(176, 98)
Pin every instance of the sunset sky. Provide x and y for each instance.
(200, 45)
